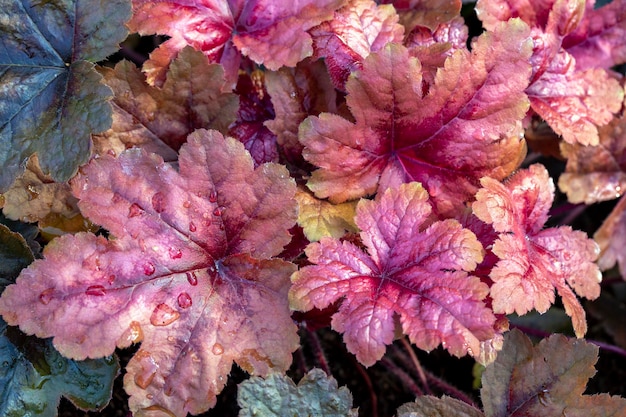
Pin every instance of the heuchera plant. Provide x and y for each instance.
(272, 162)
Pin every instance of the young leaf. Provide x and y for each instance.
(272, 33)
(357, 29)
(466, 126)
(188, 272)
(534, 262)
(596, 173)
(427, 13)
(545, 380)
(319, 218)
(315, 395)
(51, 98)
(415, 271)
(573, 101)
(192, 97)
(34, 376)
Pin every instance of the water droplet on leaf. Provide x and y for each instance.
(187, 204)
(192, 278)
(148, 370)
(95, 290)
(134, 210)
(46, 296)
(175, 253)
(192, 227)
(184, 300)
(213, 196)
(158, 202)
(217, 349)
(148, 269)
(218, 211)
(163, 315)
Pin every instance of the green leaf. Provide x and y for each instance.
(277, 395)
(34, 376)
(51, 97)
(15, 255)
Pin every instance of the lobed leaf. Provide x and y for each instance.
(188, 271)
(268, 32)
(315, 395)
(544, 380)
(534, 262)
(47, 77)
(415, 271)
(611, 239)
(193, 96)
(430, 406)
(467, 125)
(356, 29)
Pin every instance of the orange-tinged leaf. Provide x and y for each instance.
(534, 262)
(192, 97)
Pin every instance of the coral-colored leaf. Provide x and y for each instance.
(356, 29)
(415, 271)
(535, 262)
(545, 380)
(572, 100)
(192, 97)
(466, 126)
(598, 42)
(596, 173)
(269, 32)
(320, 218)
(188, 273)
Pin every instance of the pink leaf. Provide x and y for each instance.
(534, 262)
(573, 101)
(466, 126)
(598, 42)
(269, 32)
(611, 238)
(356, 30)
(415, 271)
(187, 273)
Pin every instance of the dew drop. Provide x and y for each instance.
(134, 210)
(96, 290)
(184, 300)
(192, 227)
(112, 153)
(135, 334)
(149, 396)
(213, 196)
(163, 315)
(175, 253)
(170, 339)
(217, 349)
(158, 202)
(148, 370)
(192, 278)
(148, 269)
(111, 279)
(187, 204)
(218, 211)
(46, 296)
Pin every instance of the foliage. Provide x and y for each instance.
(280, 166)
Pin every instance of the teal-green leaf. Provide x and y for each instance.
(15, 255)
(51, 97)
(34, 376)
(277, 396)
